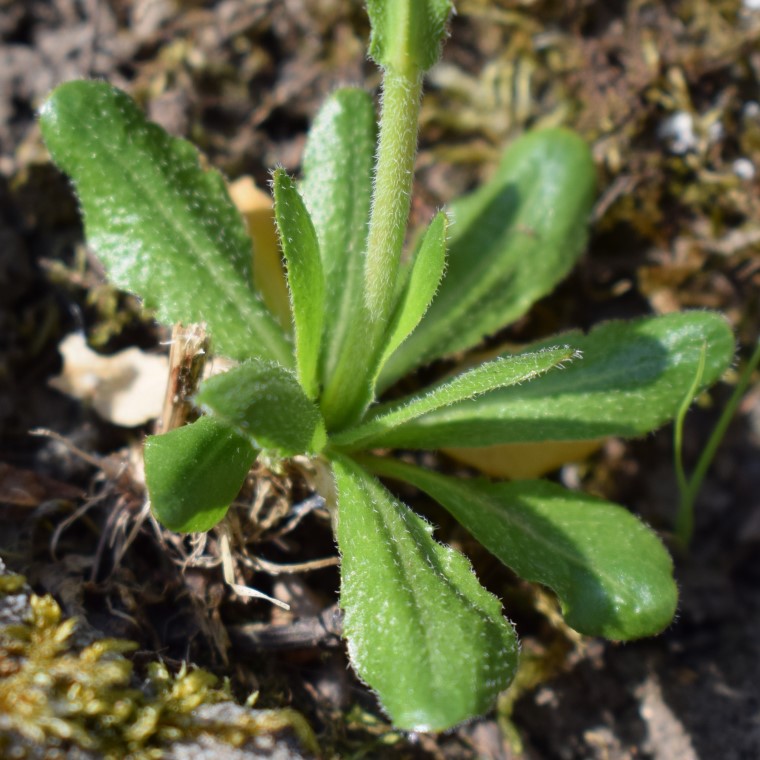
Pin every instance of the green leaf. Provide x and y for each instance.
(194, 472)
(631, 379)
(337, 189)
(613, 576)
(407, 34)
(300, 247)
(511, 242)
(421, 285)
(164, 227)
(265, 403)
(422, 632)
(500, 373)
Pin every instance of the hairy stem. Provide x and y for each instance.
(393, 187)
(349, 390)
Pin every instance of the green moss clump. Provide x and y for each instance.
(11, 584)
(53, 696)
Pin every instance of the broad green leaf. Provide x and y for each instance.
(300, 247)
(164, 227)
(422, 632)
(499, 373)
(337, 189)
(511, 242)
(631, 379)
(613, 576)
(265, 403)
(422, 282)
(194, 472)
(407, 34)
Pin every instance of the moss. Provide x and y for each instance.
(11, 584)
(54, 696)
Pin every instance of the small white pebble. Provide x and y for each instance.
(744, 168)
(751, 108)
(677, 130)
(752, 5)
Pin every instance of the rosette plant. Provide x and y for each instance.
(422, 632)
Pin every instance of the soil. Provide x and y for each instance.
(676, 226)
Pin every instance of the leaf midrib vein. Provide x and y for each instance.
(217, 272)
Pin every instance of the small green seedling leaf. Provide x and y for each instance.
(422, 632)
(164, 227)
(194, 472)
(631, 379)
(265, 403)
(407, 34)
(613, 576)
(421, 285)
(511, 242)
(499, 373)
(300, 247)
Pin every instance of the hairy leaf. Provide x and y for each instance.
(422, 632)
(164, 227)
(631, 379)
(265, 403)
(511, 242)
(194, 472)
(502, 372)
(421, 285)
(305, 281)
(613, 576)
(337, 189)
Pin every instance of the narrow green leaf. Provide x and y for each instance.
(337, 189)
(422, 632)
(265, 403)
(194, 472)
(631, 379)
(511, 242)
(407, 34)
(300, 247)
(500, 373)
(613, 576)
(164, 227)
(421, 285)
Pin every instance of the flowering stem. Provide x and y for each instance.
(393, 186)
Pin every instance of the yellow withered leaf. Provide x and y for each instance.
(268, 273)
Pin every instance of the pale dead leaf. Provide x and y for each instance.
(126, 388)
(523, 461)
(268, 273)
